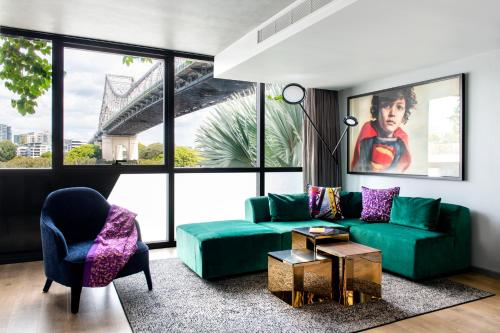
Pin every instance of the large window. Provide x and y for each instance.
(215, 120)
(103, 114)
(25, 103)
(113, 108)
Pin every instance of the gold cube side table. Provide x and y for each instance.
(303, 239)
(300, 277)
(357, 272)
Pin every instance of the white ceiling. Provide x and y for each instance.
(199, 26)
(351, 41)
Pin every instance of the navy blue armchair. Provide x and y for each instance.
(70, 221)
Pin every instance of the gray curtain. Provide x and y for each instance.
(318, 166)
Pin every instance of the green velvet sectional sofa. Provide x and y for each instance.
(222, 248)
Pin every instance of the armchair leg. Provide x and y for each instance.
(48, 283)
(147, 273)
(75, 298)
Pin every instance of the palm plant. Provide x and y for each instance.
(283, 132)
(229, 136)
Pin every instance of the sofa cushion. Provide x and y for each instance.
(377, 203)
(285, 229)
(411, 252)
(221, 248)
(351, 203)
(421, 213)
(289, 207)
(324, 202)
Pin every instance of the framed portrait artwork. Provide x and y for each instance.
(414, 130)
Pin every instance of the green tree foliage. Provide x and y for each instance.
(150, 152)
(129, 60)
(28, 162)
(141, 148)
(7, 151)
(186, 157)
(228, 137)
(83, 155)
(47, 154)
(26, 70)
(158, 160)
(153, 155)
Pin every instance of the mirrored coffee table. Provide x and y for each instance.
(357, 271)
(302, 238)
(300, 276)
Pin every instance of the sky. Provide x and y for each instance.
(85, 73)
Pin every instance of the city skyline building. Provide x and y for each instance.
(5, 132)
(70, 144)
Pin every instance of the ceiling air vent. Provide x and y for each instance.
(290, 17)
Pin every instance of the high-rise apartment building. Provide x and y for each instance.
(33, 144)
(5, 132)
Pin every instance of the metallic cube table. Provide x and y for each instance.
(303, 239)
(300, 277)
(357, 272)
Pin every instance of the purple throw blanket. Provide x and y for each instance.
(112, 248)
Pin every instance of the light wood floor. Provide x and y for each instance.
(24, 308)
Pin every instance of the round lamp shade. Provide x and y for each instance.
(294, 93)
(350, 121)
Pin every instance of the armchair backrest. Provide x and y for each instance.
(78, 212)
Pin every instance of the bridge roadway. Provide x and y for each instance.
(129, 107)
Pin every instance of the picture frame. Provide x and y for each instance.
(414, 130)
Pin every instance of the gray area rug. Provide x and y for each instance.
(183, 302)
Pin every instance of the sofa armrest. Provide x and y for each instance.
(455, 220)
(257, 209)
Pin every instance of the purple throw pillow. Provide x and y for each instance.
(377, 203)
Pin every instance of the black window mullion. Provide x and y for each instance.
(261, 112)
(57, 103)
(169, 139)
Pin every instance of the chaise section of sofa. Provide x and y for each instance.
(222, 248)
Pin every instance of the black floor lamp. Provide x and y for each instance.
(294, 93)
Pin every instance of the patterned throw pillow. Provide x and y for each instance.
(324, 202)
(377, 203)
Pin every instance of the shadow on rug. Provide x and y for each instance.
(183, 302)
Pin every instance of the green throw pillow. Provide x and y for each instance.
(289, 207)
(421, 213)
(351, 204)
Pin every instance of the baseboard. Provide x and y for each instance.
(487, 272)
(13, 258)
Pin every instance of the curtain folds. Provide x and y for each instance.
(319, 168)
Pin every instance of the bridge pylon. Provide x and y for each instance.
(120, 147)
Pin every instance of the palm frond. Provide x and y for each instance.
(228, 138)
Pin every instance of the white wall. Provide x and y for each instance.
(481, 189)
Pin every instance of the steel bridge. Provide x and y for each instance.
(130, 107)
